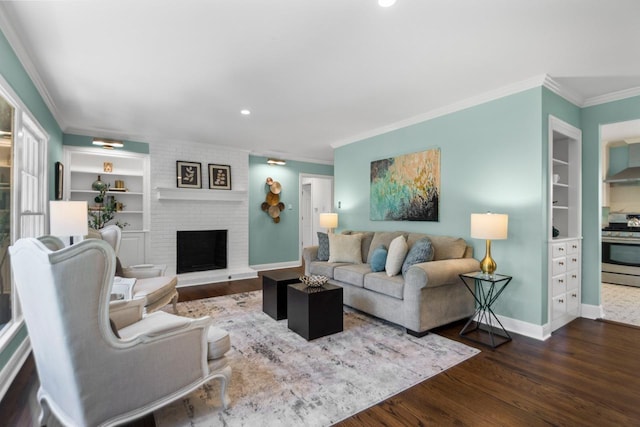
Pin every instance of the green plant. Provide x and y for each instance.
(104, 211)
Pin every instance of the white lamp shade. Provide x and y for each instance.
(67, 218)
(329, 220)
(489, 226)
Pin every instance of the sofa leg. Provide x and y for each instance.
(417, 334)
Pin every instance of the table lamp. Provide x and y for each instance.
(489, 226)
(68, 218)
(329, 221)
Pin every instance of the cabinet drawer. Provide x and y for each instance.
(573, 247)
(559, 266)
(558, 250)
(573, 303)
(573, 280)
(559, 285)
(573, 262)
(559, 305)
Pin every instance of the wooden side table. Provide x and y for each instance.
(484, 322)
(315, 312)
(274, 292)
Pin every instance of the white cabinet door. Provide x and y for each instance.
(132, 248)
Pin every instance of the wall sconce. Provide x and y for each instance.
(329, 221)
(489, 226)
(278, 162)
(109, 144)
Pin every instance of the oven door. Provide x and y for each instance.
(621, 251)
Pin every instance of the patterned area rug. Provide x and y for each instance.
(280, 379)
(621, 303)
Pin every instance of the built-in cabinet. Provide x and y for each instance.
(565, 223)
(84, 165)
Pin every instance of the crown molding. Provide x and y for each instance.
(562, 91)
(610, 97)
(28, 65)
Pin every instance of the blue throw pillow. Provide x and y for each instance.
(421, 251)
(323, 246)
(378, 258)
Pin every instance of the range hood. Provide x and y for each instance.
(632, 172)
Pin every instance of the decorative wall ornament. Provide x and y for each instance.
(189, 174)
(272, 204)
(220, 177)
(406, 187)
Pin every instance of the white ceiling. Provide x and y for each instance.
(314, 73)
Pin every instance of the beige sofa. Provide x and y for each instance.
(430, 294)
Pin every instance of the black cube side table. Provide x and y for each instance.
(314, 312)
(274, 292)
(486, 290)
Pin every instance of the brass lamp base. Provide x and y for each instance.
(488, 265)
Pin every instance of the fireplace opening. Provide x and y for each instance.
(201, 250)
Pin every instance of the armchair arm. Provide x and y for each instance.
(437, 273)
(143, 271)
(126, 312)
(309, 254)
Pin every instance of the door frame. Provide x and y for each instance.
(302, 177)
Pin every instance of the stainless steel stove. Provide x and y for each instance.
(621, 250)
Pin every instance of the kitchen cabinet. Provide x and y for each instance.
(565, 223)
(83, 166)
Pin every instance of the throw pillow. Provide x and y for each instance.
(345, 248)
(397, 251)
(421, 251)
(379, 258)
(323, 246)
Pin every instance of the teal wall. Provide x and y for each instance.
(491, 160)
(87, 141)
(12, 71)
(270, 242)
(592, 119)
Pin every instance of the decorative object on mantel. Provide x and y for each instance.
(189, 174)
(273, 206)
(314, 281)
(219, 177)
(406, 187)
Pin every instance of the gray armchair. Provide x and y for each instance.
(93, 374)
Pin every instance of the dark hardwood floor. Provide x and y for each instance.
(586, 374)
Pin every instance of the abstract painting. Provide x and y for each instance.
(406, 188)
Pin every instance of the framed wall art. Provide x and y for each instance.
(406, 188)
(59, 175)
(220, 177)
(189, 174)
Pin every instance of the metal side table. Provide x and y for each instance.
(484, 323)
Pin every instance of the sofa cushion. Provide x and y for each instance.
(323, 246)
(379, 259)
(421, 251)
(395, 257)
(367, 237)
(352, 274)
(444, 247)
(382, 238)
(345, 248)
(383, 284)
(324, 268)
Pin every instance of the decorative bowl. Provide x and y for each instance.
(314, 281)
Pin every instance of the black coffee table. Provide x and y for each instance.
(314, 312)
(274, 292)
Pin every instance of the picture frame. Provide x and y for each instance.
(59, 177)
(219, 177)
(189, 174)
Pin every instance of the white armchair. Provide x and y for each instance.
(91, 374)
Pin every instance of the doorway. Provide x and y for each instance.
(316, 197)
(620, 302)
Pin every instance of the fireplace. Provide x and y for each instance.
(201, 250)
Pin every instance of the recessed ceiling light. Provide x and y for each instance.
(386, 3)
(245, 112)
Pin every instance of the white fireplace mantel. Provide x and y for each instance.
(165, 193)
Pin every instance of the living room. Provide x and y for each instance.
(494, 157)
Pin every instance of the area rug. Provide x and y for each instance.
(280, 379)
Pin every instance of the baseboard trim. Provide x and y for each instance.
(276, 266)
(13, 366)
(592, 311)
(215, 276)
(524, 328)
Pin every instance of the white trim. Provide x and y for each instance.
(610, 97)
(215, 276)
(28, 65)
(276, 265)
(13, 366)
(562, 91)
(592, 311)
(521, 327)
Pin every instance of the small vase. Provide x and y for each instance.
(98, 185)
